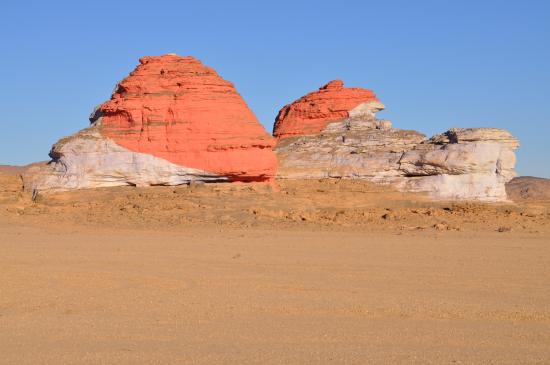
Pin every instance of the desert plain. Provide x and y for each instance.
(331, 271)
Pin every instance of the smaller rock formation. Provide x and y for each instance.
(313, 112)
(462, 163)
(171, 121)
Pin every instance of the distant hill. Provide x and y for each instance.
(12, 170)
(16, 170)
(528, 188)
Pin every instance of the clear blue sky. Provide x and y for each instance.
(435, 64)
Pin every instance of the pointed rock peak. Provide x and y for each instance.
(178, 109)
(334, 84)
(172, 120)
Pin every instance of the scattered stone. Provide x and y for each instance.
(440, 227)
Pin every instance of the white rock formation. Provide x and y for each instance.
(89, 160)
(471, 163)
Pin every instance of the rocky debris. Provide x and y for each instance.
(171, 121)
(528, 188)
(340, 204)
(504, 229)
(312, 113)
(462, 163)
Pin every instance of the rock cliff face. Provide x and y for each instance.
(171, 121)
(472, 163)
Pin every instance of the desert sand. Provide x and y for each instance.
(332, 271)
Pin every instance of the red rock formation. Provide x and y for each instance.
(311, 113)
(180, 110)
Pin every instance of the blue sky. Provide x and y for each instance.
(434, 64)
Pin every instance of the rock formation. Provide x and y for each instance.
(313, 112)
(171, 121)
(333, 133)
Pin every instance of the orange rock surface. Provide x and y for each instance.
(311, 113)
(180, 110)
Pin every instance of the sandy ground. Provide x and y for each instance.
(321, 272)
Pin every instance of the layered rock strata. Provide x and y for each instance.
(462, 163)
(171, 121)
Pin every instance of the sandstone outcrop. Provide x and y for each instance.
(313, 112)
(171, 121)
(462, 163)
